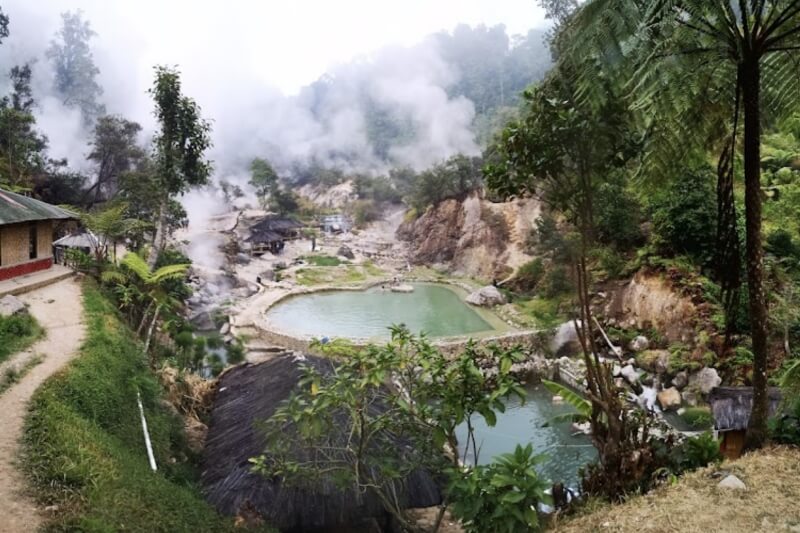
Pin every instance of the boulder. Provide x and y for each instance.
(226, 327)
(732, 482)
(11, 305)
(487, 296)
(680, 380)
(202, 321)
(639, 343)
(669, 399)
(704, 380)
(345, 252)
(689, 398)
(402, 288)
(267, 275)
(211, 289)
(647, 379)
(242, 259)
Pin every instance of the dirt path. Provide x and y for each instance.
(59, 310)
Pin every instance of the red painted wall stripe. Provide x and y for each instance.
(25, 268)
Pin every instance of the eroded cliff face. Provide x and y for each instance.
(472, 237)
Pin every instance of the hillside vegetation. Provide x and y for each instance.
(84, 449)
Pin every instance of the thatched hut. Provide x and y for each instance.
(248, 395)
(731, 408)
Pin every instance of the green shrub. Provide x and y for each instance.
(612, 263)
(83, 447)
(501, 496)
(685, 215)
(529, 275)
(556, 282)
(17, 332)
(698, 418)
(781, 244)
(696, 452)
(785, 426)
(235, 353)
(617, 214)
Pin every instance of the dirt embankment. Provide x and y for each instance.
(472, 237)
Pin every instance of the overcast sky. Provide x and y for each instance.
(285, 44)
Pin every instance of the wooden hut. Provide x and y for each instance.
(26, 234)
(263, 241)
(286, 227)
(248, 395)
(731, 408)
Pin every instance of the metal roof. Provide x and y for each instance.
(15, 208)
(79, 240)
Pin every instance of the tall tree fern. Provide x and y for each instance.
(693, 61)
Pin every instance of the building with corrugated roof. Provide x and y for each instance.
(26, 234)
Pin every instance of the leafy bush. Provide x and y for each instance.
(612, 263)
(780, 244)
(235, 353)
(685, 215)
(501, 496)
(785, 426)
(556, 282)
(617, 214)
(696, 452)
(698, 418)
(17, 332)
(529, 275)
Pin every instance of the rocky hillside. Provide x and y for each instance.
(472, 237)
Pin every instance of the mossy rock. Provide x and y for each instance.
(654, 361)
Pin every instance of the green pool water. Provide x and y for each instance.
(437, 310)
(564, 451)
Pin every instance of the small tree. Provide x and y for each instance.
(180, 146)
(407, 391)
(263, 179)
(75, 71)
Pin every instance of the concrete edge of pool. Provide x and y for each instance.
(501, 332)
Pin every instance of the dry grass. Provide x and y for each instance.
(695, 504)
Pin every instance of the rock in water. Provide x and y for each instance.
(487, 296)
(11, 305)
(639, 343)
(732, 482)
(669, 399)
(346, 252)
(705, 380)
(403, 288)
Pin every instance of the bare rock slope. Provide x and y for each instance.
(473, 236)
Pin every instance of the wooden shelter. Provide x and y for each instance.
(26, 234)
(271, 232)
(248, 395)
(731, 408)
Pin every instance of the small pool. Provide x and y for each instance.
(437, 310)
(565, 452)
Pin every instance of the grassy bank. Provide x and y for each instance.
(695, 504)
(83, 444)
(17, 332)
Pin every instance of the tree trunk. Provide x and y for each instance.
(160, 236)
(750, 79)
